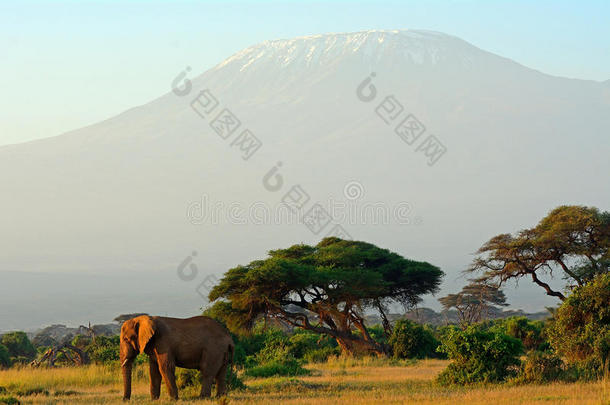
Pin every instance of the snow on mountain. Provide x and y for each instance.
(419, 47)
(114, 196)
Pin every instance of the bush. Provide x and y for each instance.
(530, 333)
(8, 400)
(105, 349)
(81, 341)
(270, 351)
(26, 392)
(19, 346)
(580, 329)
(321, 355)
(411, 340)
(246, 347)
(233, 381)
(187, 377)
(5, 357)
(377, 333)
(22, 360)
(192, 378)
(479, 356)
(303, 342)
(284, 368)
(275, 358)
(541, 367)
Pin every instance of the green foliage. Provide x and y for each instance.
(541, 367)
(270, 351)
(29, 391)
(580, 329)
(302, 342)
(267, 344)
(233, 381)
(9, 400)
(247, 346)
(277, 356)
(222, 312)
(186, 377)
(19, 346)
(81, 341)
(571, 239)
(277, 367)
(104, 350)
(192, 378)
(5, 357)
(478, 356)
(530, 333)
(322, 279)
(322, 354)
(411, 340)
(377, 333)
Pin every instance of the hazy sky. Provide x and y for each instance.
(68, 64)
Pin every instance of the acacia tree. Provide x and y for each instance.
(474, 302)
(574, 240)
(325, 288)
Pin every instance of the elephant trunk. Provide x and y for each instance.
(126, 367)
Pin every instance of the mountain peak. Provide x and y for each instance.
(366, 34)
(419, 47)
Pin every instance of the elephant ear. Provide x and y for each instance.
(146, 330)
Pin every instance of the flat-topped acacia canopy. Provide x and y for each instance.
(324, 288)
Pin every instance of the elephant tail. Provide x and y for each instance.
(229, 356)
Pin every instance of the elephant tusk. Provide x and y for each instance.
(124, 362)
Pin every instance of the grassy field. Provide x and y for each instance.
(340, 381)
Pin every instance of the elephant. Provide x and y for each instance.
(199, 343)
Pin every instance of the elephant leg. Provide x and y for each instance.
(206, 385)
(168, 371)
(221, 381)
(206, 378)
(155, 379)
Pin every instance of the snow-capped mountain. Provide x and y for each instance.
(125, 194)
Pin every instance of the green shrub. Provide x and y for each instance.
(81, 341)
(321, 355)
(411, 340)
(23, 360)
(276, 347)
(479, 356)
(186, 377)
(541, 367)
(284, 368)
(5, 357)
(530, 333)
(8, 400)
(275, 358)
(246, 347)
(26, 392)
(19, 346)
(104, 350)
(377, 333)
(580, 329)
(233, 381)
(192, 378)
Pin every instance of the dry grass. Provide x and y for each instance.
(340, 381)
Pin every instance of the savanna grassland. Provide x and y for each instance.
(338, 381)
